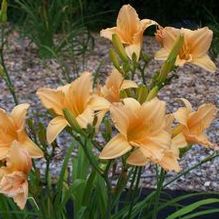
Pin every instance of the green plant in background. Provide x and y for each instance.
(214, 25)
(4, 74)
(44, 19)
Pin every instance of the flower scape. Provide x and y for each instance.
(127, 109)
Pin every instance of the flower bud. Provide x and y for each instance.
(3, 14)
(114, 59)
(2, 73)
(119, 48)
(123, 94)
(142, 93)
(71, 120)
(170, 62)
(153, 93)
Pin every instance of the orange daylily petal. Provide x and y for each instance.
(187, 104)
(21, 198)
(18, 114)
(85, 118)
(52, 99)
(169, 118)
(145, 23)
(116, 147)
(205, 62)
(133, 48)
(132, 104)
(181, 115)
(137, 158)
(55, 126)
(5, 121)
(120, 118)
(154, 146)
(127, 23)
(18, 158)
(64, 88)
(100, 115)
(79, 93)
(200, 40)
(202, 118)
(15, 185)
(99, 103)
(169, 162)
(33, 150)
(162, 54)
(199, 139)
(114, 84)
(107, 33)
(179, 141)
(170, 36)
(155, 111)
(128, 84)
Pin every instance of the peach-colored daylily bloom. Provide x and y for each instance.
(115, 83)
(170, 158)
(142, 128)
(78, 98)
(129, 28)
(13, 177)
(12, 127)
(194, 50)
(194, 123)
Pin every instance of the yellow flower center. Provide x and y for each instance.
(136, 131)
(185, 53)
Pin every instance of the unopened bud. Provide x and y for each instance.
(114, 59)
(123, 94)
(142, 93)
(2, 72)
(119, 48)
(169, 64)
(3, 15)
(153, 93)
(71, 120)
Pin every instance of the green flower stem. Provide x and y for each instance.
(90, 158)
(209, 158)
(152, 195)
(121, 183)
(137, 174)
(7, 77)
(132, 183)
(160, 180)
(142, 76)
(95, 166)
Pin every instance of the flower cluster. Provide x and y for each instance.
(145, 132)
(16, 151)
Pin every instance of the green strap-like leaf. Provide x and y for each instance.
(189, 208)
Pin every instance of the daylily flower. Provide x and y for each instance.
(194, 123)
(78, 98)
(170, 158)
(114, 84)
(12, 127)
(194, 50)
(141, 129)
(129, 28)
(13, 177)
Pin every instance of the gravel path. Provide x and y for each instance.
(29, 73)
